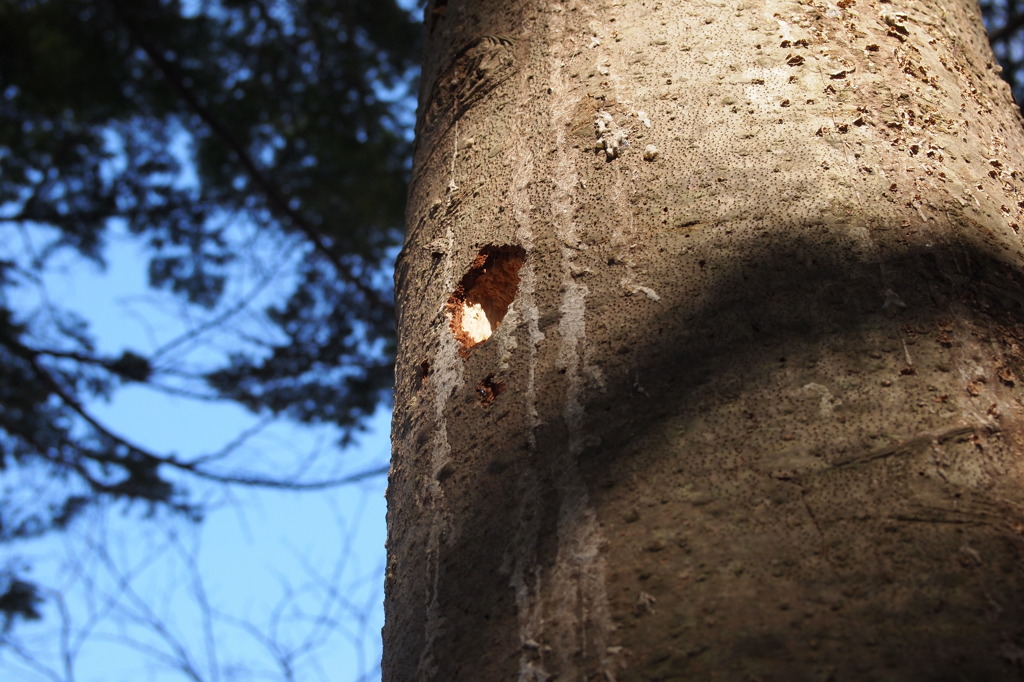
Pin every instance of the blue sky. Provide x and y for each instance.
(300, 572)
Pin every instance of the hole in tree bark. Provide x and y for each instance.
(481, 300)
(489, 389)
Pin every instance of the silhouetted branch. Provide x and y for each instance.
(274, 195)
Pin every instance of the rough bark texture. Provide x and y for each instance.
(753, 411)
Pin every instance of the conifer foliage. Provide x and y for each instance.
(176, 122)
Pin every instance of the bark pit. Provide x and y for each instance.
(489, 389)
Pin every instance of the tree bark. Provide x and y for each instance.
(710, 327)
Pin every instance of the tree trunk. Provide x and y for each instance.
(710, 347)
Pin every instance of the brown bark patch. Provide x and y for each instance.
(481, 300)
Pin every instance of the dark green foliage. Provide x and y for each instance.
(177, 121)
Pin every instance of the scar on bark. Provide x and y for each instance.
(481, 300)
(489, 389)
(423, 375)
